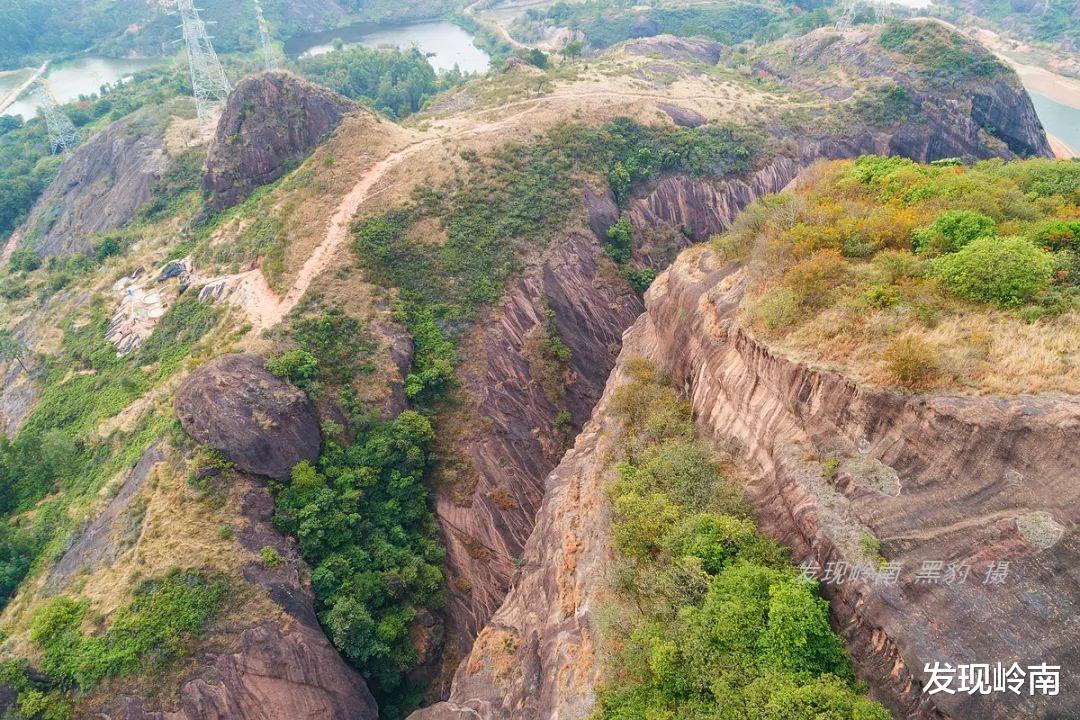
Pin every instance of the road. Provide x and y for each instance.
(14, 94)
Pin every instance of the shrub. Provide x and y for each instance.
(778, 308)
(298, 366)
(911, 361)
(813, 281)
(1058, 235)
(618, 246)
(892, 266)
(711, 618)
(1005, 271)
(536, 57)
(159, 624)
(951, 231)
(270, 557)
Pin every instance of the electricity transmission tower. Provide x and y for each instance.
(208, 80)
(850, 7)
(269, 53)
(62, 133)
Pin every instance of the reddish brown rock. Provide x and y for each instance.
(270, 121)
(968, 480)
(283, 667)
(975, 481)
(259, 422)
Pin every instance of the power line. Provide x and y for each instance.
(208, 81)
(849, 8)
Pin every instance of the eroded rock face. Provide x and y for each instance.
(487, 513)
(270, 121)
(968, 480)
(259, 422)
(975, 481)
(99, 187)
(986, 115)
(537, 657)
(487, 517)
(671, 47)
(281, 669)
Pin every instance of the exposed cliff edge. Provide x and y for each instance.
(276, 666)
(100, 186)
(489, 513)
(270, 121)
(975, 481)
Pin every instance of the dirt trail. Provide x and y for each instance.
(251, 290)
(494, 25)
(265, 308)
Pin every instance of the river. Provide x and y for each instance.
(1060, 120)
(69, 79)
(446, 45)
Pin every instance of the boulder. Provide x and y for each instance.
(259, 422)
(269, 122)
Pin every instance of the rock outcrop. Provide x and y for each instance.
(270, 121)
(486, 514)
(670, 47)
(941, 112)
(537, 657)
(100, 186)
(972, 481)
(282, 667)
(258, 422)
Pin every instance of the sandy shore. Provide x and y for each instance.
(1056, 87)
(1061, 150)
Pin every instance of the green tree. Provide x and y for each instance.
(13, 349)
(1005, 271)
(951, 231)
(618, 246)
(298, 366)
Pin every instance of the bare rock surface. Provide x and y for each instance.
(100, 186)
(975, 481)
(487, 517)
(270, 121)
(281, 669)
(670, 47)
(487, 514)
(259, 422)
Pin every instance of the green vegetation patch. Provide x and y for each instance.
(161, 623)
(870, 259)
(607, 22)
(395, 82)
(363, 524)
(710, 618)
(515, 201)
(940, 52)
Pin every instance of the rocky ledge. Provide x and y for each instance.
(981, 482)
